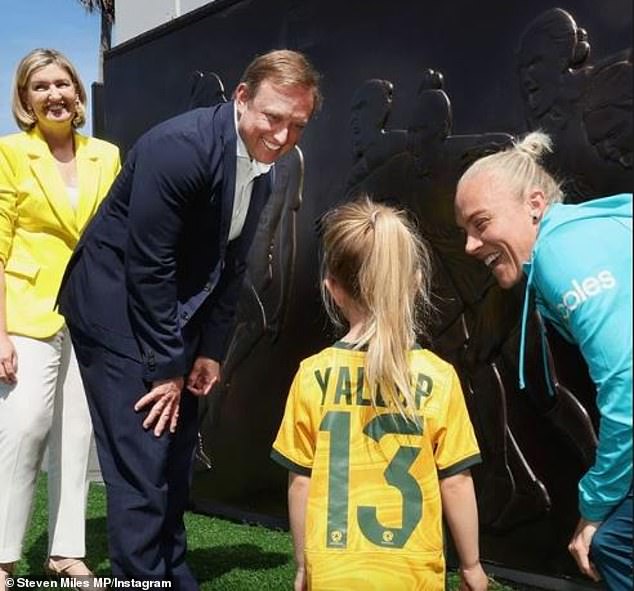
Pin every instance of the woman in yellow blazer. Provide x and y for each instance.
(52, 180)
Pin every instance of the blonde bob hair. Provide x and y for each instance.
(374, 253)
(31, 63)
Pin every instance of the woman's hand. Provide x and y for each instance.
(8, 360)
(579, 547)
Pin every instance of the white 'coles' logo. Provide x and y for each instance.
(580, 292)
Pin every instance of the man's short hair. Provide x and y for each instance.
(283, 67)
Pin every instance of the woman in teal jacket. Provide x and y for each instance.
(578, 261)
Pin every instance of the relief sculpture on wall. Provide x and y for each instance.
(584, 104)
(418, 167)
(587, 108)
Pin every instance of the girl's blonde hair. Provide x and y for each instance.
(30, 63)
(374, 253)
(521, 166)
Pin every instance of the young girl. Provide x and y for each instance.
(376, 435)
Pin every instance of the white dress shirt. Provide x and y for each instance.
(247, 170)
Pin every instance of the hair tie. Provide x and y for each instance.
(373, 217)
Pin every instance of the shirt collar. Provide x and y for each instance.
(257, 168)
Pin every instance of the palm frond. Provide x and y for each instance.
(105, 7)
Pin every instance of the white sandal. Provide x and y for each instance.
(72, 567)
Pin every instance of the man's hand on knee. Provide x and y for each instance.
(163, 401)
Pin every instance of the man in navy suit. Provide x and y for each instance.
(151, 292)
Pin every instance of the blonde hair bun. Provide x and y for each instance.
(535, 144)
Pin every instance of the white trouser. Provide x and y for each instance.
(46, 405)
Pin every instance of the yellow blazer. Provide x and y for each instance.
(39, 227)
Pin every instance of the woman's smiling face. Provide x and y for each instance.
(51, 95)
(501, 228)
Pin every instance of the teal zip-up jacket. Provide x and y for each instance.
(581, 275)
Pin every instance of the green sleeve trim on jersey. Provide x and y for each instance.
(460, 466)
(288, 464)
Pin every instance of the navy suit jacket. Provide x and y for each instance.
(154, 277)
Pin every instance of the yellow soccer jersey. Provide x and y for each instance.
(374, 514)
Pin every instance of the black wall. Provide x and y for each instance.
(527, 488)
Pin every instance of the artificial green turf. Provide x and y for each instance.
(224, 556)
